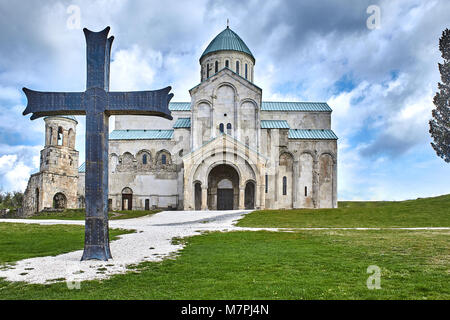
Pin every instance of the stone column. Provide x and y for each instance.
(295, 185)
(65, 138)
(315, 195)
(204, 198)
(54, 136)
(242, 198)
(334, 204)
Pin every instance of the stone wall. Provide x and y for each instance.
(312, 181)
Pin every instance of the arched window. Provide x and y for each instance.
(229, 128)
(163, 159)
(306, 191)
(227, 63)
(60, 136)
(284, 186)
(237, 67)
(246, 71)
(216, 68)
(207, 70)
(221, 128)
(144, 159)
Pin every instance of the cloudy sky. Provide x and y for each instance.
(379, 82)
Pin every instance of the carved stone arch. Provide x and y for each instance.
(331, 154)
(127, 162)
(126, 158)
(217, 163)
(197, 103)
(310, 152)
(113, 162)
(287, 155)
(144, 159)
(248, 100)
(223, 189)
(224, 84)
(161, 155)
(127, 190)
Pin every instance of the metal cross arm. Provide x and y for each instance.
(147, 103)
(98, 103)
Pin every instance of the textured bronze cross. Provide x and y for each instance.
(98, 103)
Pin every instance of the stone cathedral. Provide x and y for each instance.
(225, 149)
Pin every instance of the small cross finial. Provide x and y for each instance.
(228, 23)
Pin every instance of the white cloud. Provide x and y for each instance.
(14, 174)
(133, 69)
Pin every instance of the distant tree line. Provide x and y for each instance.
(11, 200)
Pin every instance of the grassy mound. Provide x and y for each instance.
(427, 212)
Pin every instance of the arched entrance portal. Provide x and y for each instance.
(223, 188)
(127, 199)
(250, 195)
(59, 201)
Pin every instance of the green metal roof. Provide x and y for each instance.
(141, 135)
(182, 123)
(179, 106)
(274, 124)
(295, 106)
(312, 134)
(269, 106)
(227, 40)
(82, 168)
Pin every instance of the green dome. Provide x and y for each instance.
(227, 40)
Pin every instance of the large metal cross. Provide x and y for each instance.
(97, 103)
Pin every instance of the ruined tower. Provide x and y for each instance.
(55, 185)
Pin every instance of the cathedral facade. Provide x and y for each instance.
(225, 149)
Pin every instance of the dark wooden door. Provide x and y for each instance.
(224, 199)
(127, 201)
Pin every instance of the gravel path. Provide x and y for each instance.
(152, 241)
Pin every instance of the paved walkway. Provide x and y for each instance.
(152, 241)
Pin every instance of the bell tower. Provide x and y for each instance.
(54, 187)
(59, 155)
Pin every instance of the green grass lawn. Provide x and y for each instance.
(20, 241)
(277, 265)
(79, 214)
(428, 212)
(308, 264)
